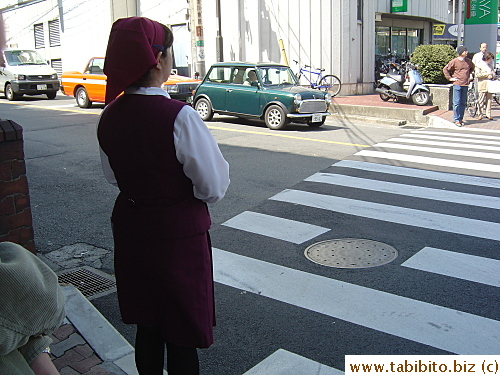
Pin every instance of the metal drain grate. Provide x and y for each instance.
(351, 253)
(89, 281)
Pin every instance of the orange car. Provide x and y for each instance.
(90, 86)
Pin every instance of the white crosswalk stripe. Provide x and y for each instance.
(380, 183)
(276, 227)
(283, 362)
(426, 160)
(462, 266)
(393, 214)
(447, 329)
(408, 190)
(420, 173)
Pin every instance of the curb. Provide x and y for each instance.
(103, 338)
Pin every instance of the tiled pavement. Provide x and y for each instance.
(87, 343)
(72, 355)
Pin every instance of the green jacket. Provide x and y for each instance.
(31, 308)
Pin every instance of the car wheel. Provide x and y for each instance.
(275, 118)
(204, 109)
(316, 124)
(10, 95)
(82, 98)
(51, 95)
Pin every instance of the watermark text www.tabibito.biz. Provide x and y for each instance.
(433, 364)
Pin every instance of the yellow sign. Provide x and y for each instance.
(439, 29)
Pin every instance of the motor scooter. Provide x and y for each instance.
(392, 86)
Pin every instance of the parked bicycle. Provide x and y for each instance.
(472, 100)
(328, 83)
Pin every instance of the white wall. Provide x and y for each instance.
(22, 33)
(86, 31)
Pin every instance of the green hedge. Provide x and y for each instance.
(431, 59)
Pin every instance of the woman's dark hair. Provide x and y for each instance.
(168, 40)
(487, 56)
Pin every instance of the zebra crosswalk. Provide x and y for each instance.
(434, 195)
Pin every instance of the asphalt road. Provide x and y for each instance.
(431, 194)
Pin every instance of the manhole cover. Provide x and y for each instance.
(351, 253)
(89, 281)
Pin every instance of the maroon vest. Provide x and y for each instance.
(136, 133)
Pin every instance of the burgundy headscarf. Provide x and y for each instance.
(132, 48)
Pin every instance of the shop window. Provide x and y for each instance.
(382, 40)
(399, 42)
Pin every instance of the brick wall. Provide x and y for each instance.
(15, 211)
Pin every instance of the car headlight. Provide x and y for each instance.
(53, 76)
(19, 77)
(297, 99)
(171, 88)
(328, 98)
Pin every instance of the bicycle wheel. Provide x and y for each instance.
(496, 97)
(331, 84)
(471, 103)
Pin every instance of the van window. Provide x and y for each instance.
(23, 57)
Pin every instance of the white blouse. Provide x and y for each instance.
(195, 148)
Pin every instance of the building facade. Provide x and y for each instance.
(341, 36)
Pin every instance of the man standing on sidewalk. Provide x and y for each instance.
(459, 71)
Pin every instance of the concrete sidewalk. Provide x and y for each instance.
(371, 108)
(87, 343)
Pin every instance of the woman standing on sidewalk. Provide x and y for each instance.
(483, 73)
(167, 166)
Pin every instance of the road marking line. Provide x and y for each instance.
(420, 173)
(449, 139)
(393, 214)
(444, 144)
(458, 265)
(406, 190)
(437, 326)
(469, 135)
(275, 227)
(55, 108)
(446, 151)
(274, 134)
(431, 161)
(283, 362)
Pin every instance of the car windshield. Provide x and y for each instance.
(277, 75)
(24, 57)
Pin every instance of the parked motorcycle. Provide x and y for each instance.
(404, 82)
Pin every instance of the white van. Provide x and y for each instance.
(26, 72)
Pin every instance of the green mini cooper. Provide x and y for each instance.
(266, 91)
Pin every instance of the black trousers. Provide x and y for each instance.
(150, 355)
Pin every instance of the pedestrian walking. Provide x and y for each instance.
(483, 73)
(478, 56)
(459, 71)
(167, 167)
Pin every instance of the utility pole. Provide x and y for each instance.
(460, 22)
(218, 40)
(196, 23)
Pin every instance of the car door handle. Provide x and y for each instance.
(229, 90)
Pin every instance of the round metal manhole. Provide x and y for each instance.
(351, 253)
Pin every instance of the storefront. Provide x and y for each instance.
(398, 42)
